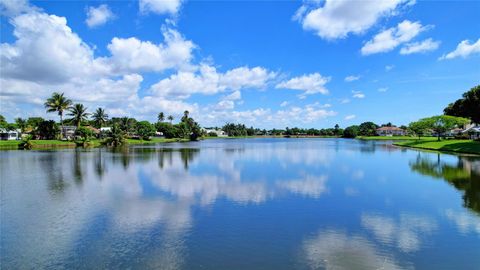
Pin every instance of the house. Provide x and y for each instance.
(69, 132)
(219, 132)
(454, 132)
(473, 132)
(9, 135)
(390, 131)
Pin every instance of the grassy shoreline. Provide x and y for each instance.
(51, 144)
(453, 146)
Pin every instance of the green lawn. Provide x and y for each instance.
(393, 138)
(460, 146)
(92, 143)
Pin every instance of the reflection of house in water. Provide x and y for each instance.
(463, 175)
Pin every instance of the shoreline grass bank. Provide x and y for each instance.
(52, 144)
(453, 146)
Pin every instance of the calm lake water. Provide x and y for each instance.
(240, 204)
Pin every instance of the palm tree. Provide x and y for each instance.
(100, 117)
(58, 103)
(170, 118)
(78, 113)
(161, 117)
(185, 116)
(21, 124)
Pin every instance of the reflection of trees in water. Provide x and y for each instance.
(125, 155)
(99, 164)
(77, 167)
(367, 146)
(187, 155)
(463, 175)
(165, 154)
(56, 183)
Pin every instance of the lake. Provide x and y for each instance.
(240, 204)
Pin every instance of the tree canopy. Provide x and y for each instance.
(468, 106)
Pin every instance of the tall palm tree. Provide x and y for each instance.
(100, 117)
(170, 118)
(161, 117)
(21, 124)
(58, 103)
(185, 116)
(78, 113)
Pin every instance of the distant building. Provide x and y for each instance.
(69, 132)
(390, 131)
(219, 132)
(9, 135)
(473, 132)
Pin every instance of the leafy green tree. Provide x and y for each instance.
(442, 123)
(168, 130)
(351, 131)
(85, 134)
(170, 118)
(100, 117)
(161, 117)
(127, 124)
(58, 103)
(47, 130)
(3, 122)
(337, 130)
(78, 112)
(21, 124)
(419, 127)
(468, 106)
(115, 137)
(33, 122)
(145, 130)
(367, 129)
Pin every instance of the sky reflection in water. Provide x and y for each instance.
(240, 204)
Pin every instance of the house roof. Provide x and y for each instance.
(389, 129)
(472, 129)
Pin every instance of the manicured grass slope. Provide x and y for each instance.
(460, 146)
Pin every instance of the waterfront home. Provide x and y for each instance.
(9, 135)
(454, 132)
(473, 132)
(69, 132)
(390, 131)
(218, 132)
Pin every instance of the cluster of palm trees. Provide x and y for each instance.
(60, 104)
(161, 117)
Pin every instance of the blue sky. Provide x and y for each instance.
(267, 64)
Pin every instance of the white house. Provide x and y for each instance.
(473, 131)
(9, 135)
(219, 132)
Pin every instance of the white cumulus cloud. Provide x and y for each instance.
(207, 80)
(334, 19)
(464, 49)
(134, 55)
(97, 16)
(389, 39)
(311, 84)
(420, 47)
(160, 6)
